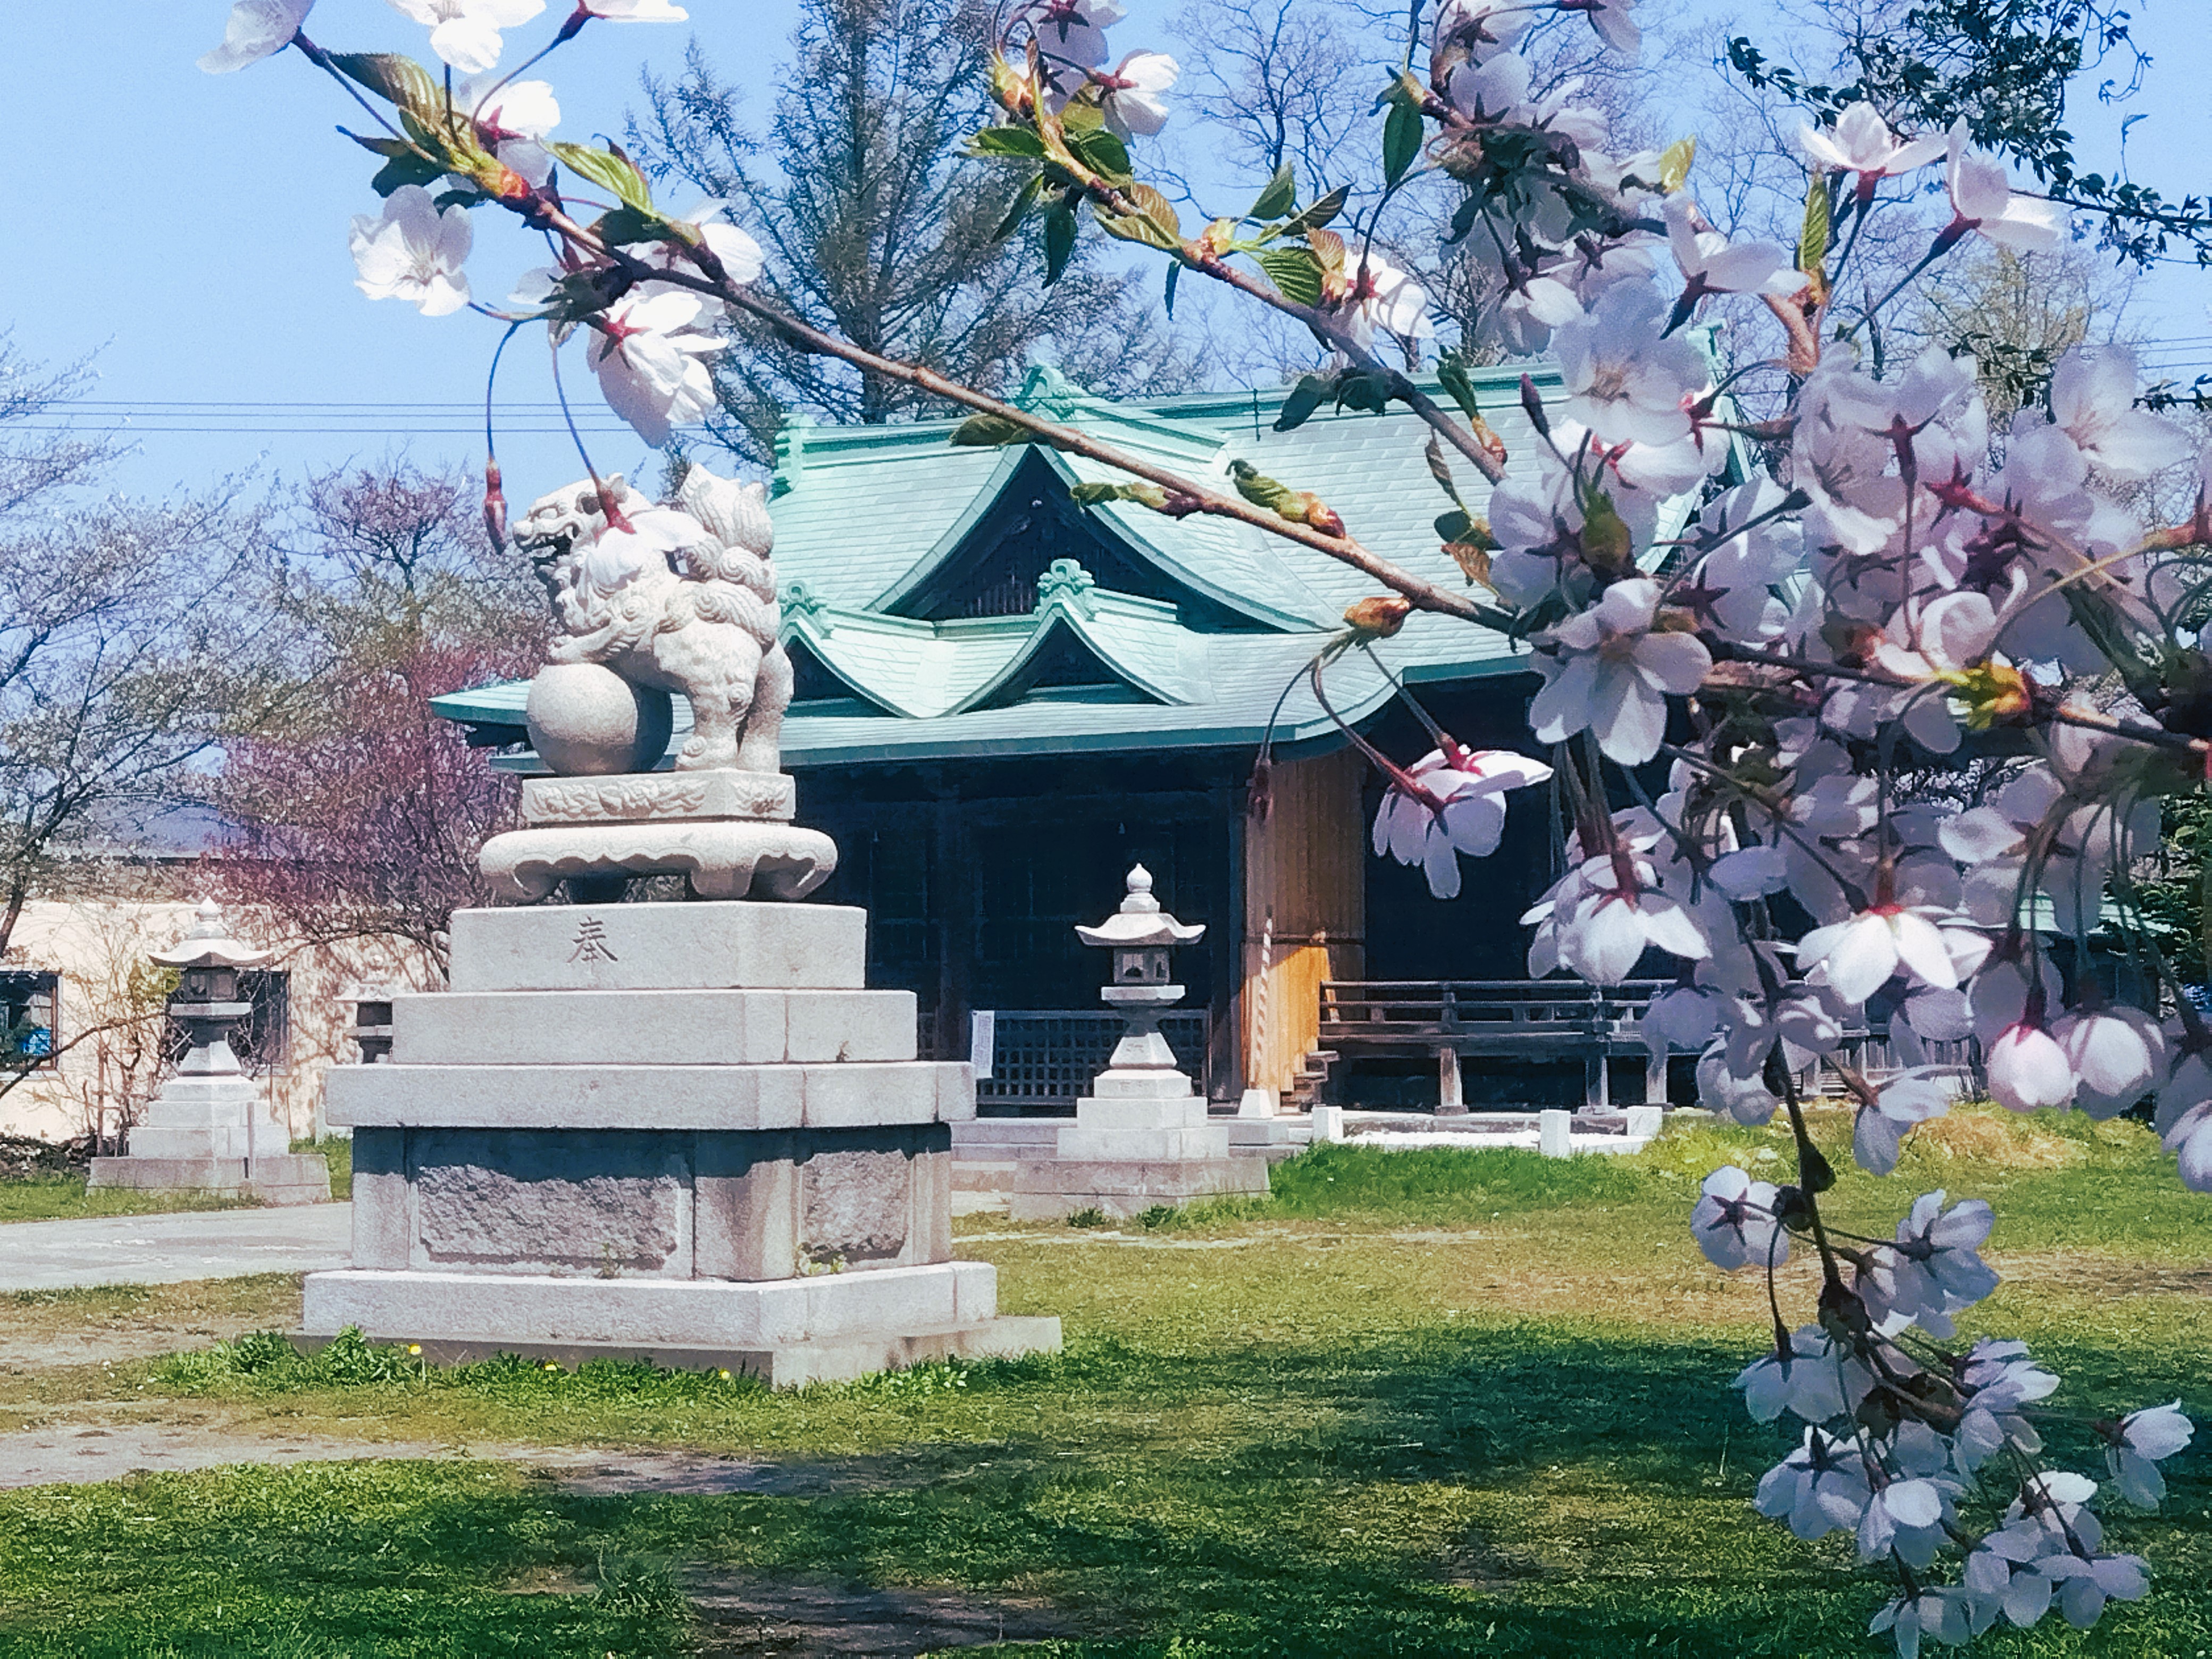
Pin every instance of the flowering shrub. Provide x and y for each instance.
(1896, 591)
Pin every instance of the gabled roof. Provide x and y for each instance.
(926, 670)
(864, 515)
(1236, 680)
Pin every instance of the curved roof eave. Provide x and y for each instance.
(1109, 521)
(1051, 617)
(802, 630)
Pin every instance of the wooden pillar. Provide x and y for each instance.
(1449, 1099)
(1597, 1082)
(953, 903)
(1226, 995)
(1305, 859)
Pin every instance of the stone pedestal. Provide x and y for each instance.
(727, 831)
(681, 1133)
(215, 1134)
(1140, 1138)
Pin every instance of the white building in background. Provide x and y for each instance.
(83, 1006)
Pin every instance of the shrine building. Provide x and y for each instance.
(1004, 699)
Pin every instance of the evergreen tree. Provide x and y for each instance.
(876, 226)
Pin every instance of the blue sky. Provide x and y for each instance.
(187, 232)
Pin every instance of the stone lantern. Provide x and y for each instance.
(1140, 935)
(206, 1002)
(1140, 1138)
(210, 1129)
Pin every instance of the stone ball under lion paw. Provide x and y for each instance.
(585, 720)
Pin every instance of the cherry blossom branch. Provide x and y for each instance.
(1425, 594)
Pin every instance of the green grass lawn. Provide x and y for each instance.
(66, 1198)
(1451, 1403)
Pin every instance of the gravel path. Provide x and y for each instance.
(165, 1249)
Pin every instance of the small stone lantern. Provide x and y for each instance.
(212, 1129)
(1141, 1136)
(206, 1002)
(1140, 935)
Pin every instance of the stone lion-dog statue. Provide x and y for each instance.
(684, 599)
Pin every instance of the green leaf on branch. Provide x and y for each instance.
(990, 432)
(1022, 142)
(626, 225)
(1279, 196)
(1402, 130)
(1059, 241)
(1812, 237)
(1295, 272)
(1314, 217)
(394, 78)
(1103, 153)
(1299, 506)
(1441, 472)
(1306, 396)
(1674, 162)
(1019, 209)
(409, 167)
(1155, 223)
(1458, 384)
(608, 171)
(1098, 495)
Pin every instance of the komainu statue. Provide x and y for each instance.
(684, 599)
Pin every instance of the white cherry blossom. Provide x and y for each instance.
(2092, 401)
(1733, 1221)
(1862, 142)
(1806, 1378)
(1133, 101)
(465, 33)
(1623, 381)
(256, 29)
(1863, 953)
(1457, 804)
(2138, 1444)
(1610, 669)
(413, 252)
(1819, 1488)
(1711, 263)
(1983, 200)
(651, 364)
(1385, 300)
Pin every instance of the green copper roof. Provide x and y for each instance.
(870, 522)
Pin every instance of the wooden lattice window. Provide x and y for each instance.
(1050, 1057)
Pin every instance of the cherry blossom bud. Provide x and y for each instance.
(1378, 618)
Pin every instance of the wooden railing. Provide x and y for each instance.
(1484, 1016)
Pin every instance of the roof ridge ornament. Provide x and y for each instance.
(1045, 390)
(800, 601)
(1066, 583)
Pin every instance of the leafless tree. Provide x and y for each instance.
(360, 812)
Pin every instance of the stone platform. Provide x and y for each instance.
(1142, 1140)
(215, 1134)
(680, 1132)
